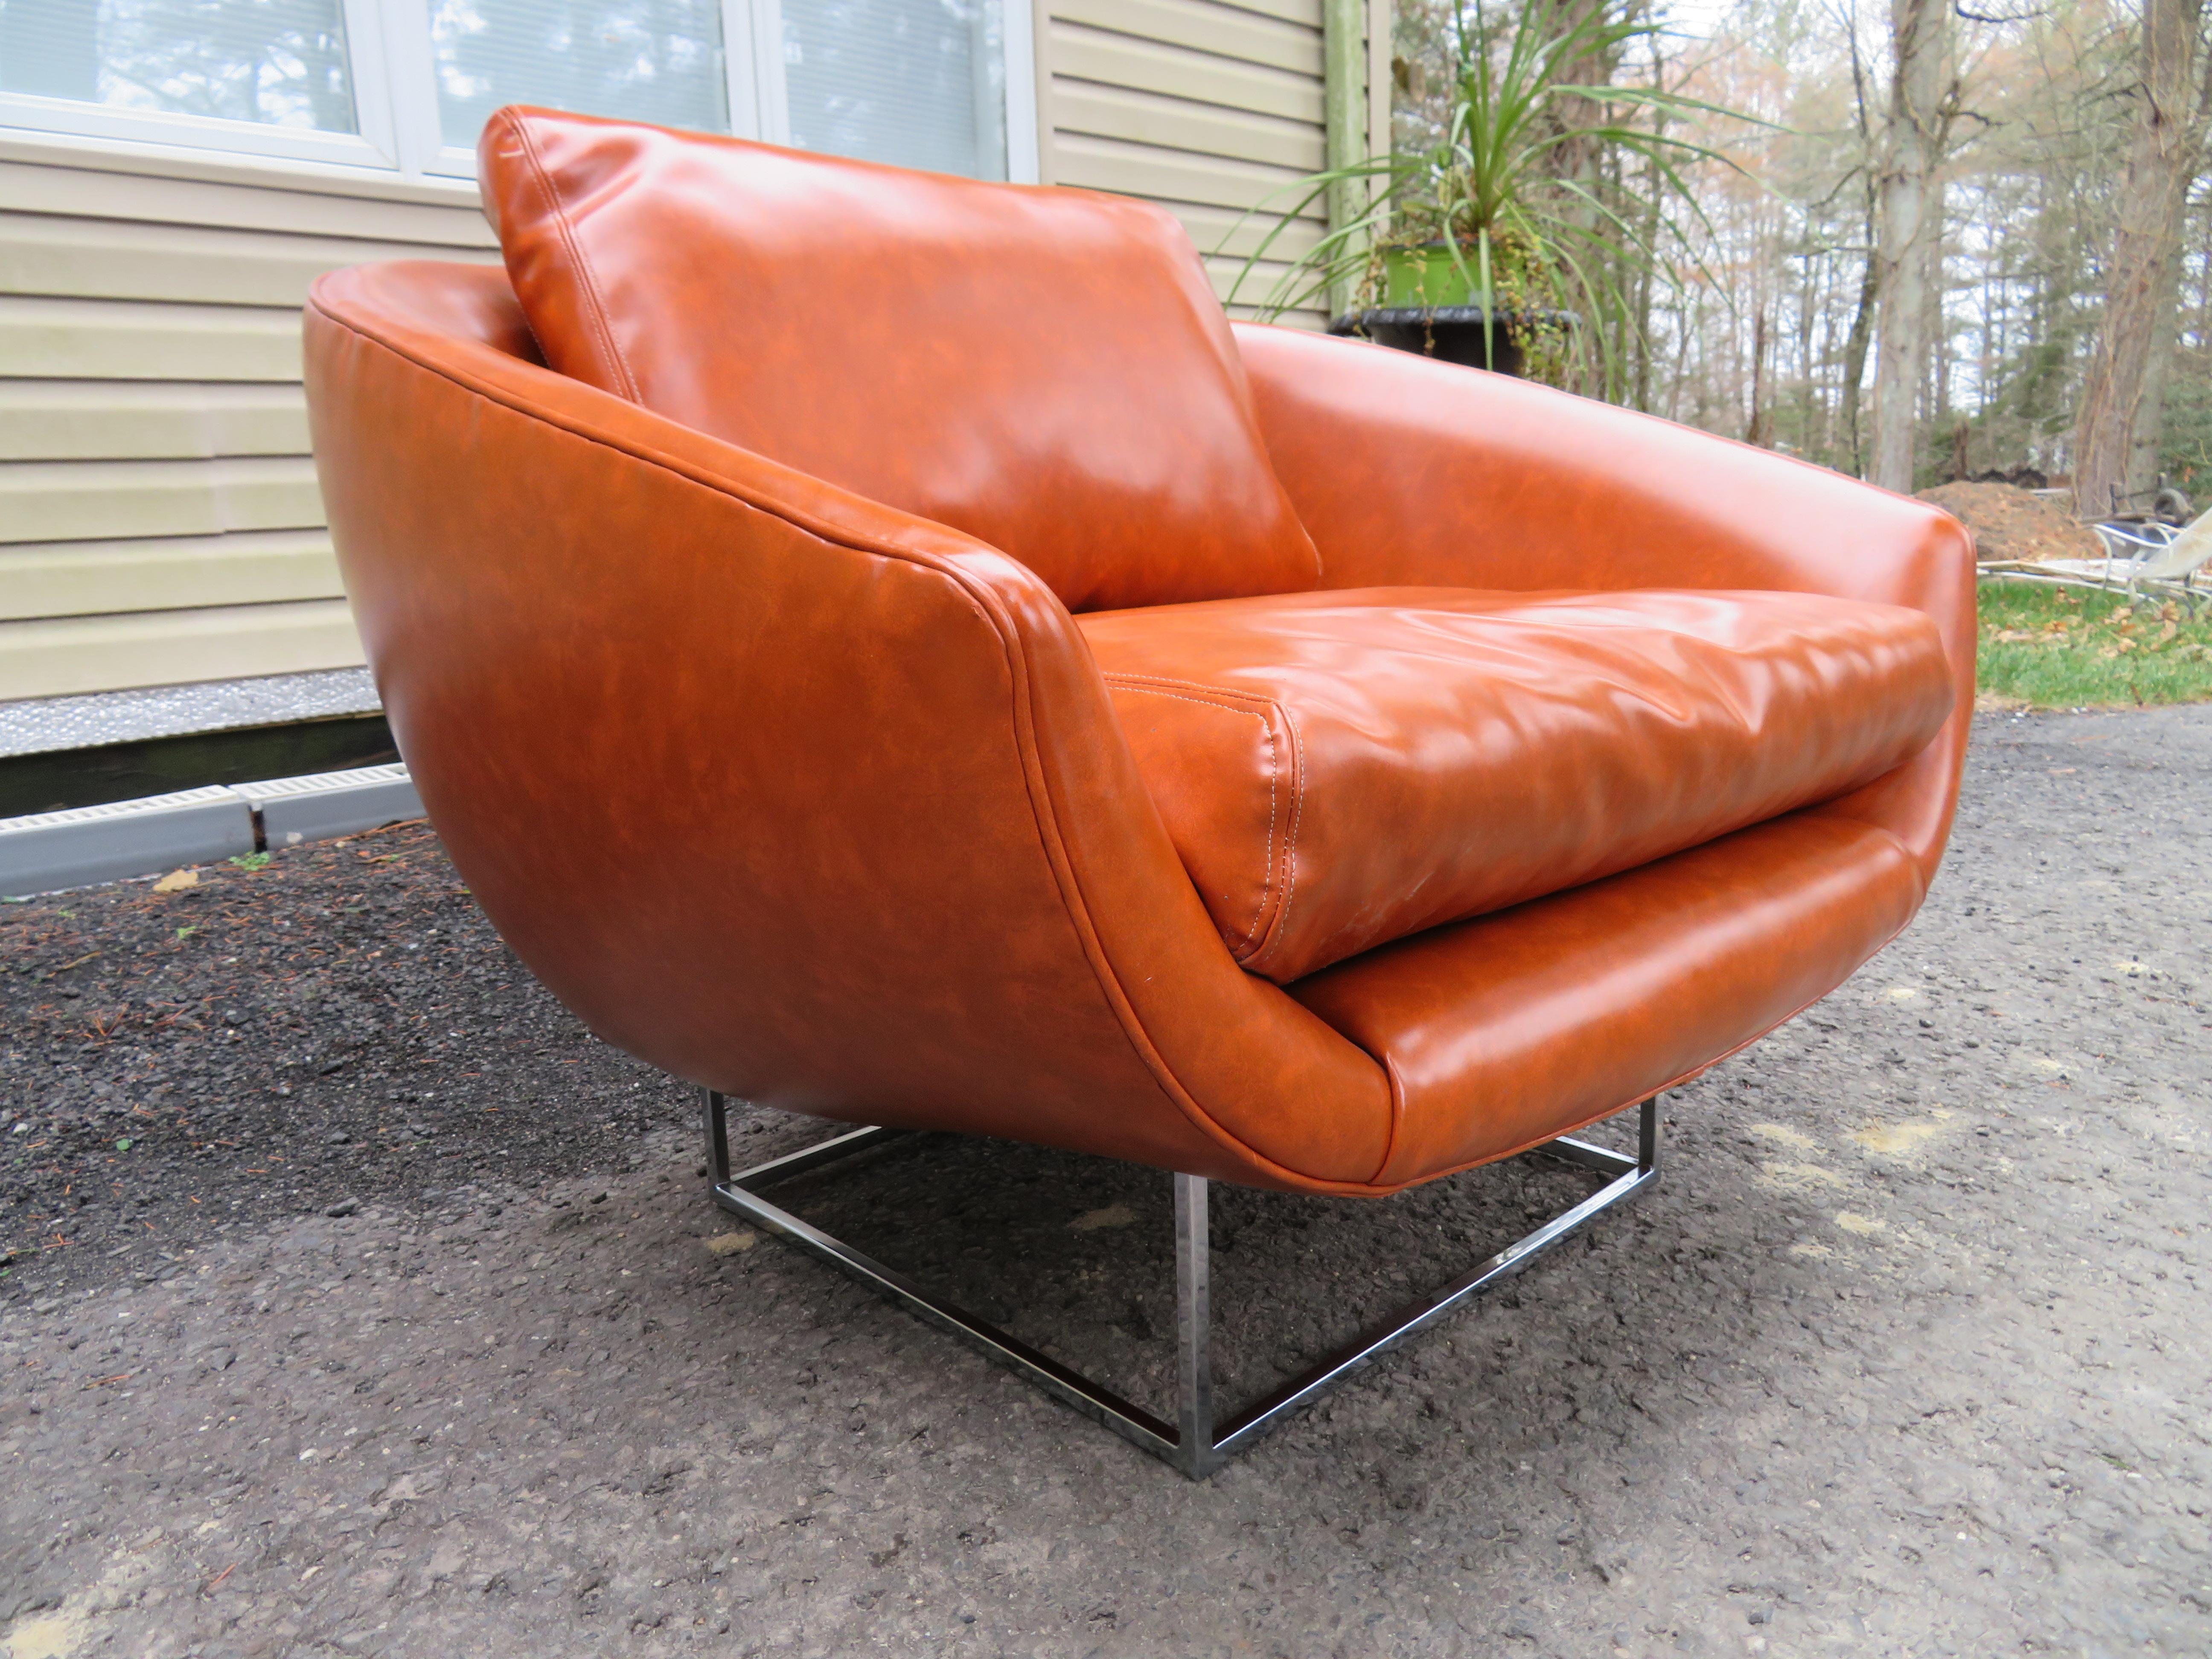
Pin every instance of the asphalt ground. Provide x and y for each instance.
(358, 1302)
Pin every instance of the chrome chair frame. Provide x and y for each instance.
(1196, 1443)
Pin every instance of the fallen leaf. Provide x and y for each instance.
(1802, 1142)
(1800, 1177)
(177, 881)
(1114, 1215)
(1895, 1138)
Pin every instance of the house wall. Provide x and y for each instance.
(1210, 109)
(159, 518)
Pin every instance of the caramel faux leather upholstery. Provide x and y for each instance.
(1340, 770)
(1612, 990)
(883, 330)
(815, 800)
(1496, 482)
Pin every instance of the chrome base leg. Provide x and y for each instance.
(1195, 1443)
(1196, 1453)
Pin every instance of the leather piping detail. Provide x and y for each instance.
(1274, 930)
(1298, 788)
(1136, 683)
(558, 212)
(991, 607)
(1397, 1117)
(1297, 817)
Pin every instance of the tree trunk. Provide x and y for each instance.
(1935, 337)
(1645, 264)
(1922, 97)
(1854, 357)
(2162, 159)
(2142, 473)
(1862, 334)
(1760, 431)
(1578, 158)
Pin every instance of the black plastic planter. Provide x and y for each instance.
(1452, 334)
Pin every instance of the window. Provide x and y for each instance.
(920, 82)
(406, 85)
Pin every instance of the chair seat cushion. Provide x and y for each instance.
(1340, 770)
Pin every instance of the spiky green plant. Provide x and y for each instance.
(1555, 253)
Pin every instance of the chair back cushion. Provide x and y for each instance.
(1045, 369)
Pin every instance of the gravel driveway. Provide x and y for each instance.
(394, 1320)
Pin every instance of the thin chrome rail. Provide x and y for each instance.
(1196, 1443)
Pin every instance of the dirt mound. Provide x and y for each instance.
(2009, 522)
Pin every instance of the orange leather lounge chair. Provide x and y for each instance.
(887, 646)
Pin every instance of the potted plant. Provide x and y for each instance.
(1498, 245)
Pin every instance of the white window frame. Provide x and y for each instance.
(395, 90)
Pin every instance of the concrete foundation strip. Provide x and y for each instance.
(47, 851)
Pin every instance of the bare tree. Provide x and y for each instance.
(1862, 334)
(1923, 97)
(1776, 330)
(1578, 158)
(2120, 393)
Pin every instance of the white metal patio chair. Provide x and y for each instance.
(2138, 556)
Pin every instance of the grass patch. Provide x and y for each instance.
(2060, 647)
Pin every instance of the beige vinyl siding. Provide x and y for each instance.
(170, 647)
(90, 501)
(164, 574)
(159, 518)
(1212, 110)
(44, 336)
(110, 420)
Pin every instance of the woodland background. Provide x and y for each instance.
(1971, 241)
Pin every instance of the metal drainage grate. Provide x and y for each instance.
(47, 851)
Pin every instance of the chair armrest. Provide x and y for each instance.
(1411, 472)
(787, 792)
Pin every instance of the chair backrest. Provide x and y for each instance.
(1045, 369)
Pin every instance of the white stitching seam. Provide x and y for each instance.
(1299, 771)
(1297, 812)
(598, 306)
(1130, 682)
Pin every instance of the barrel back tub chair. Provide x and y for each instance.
(888, 648)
